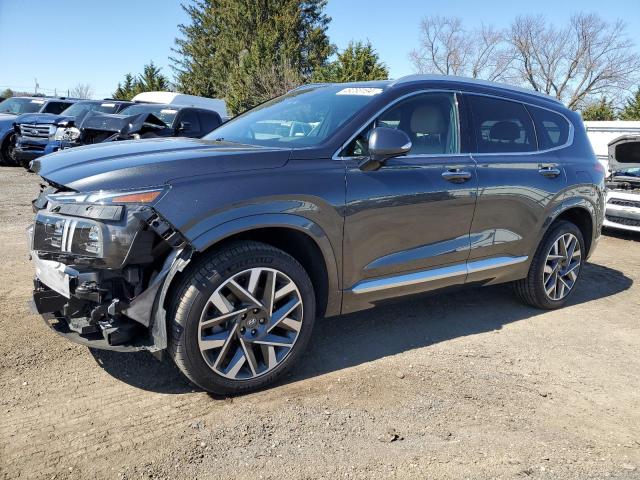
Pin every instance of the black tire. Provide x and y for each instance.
(531, 288)
(6, 149)
(193, 294)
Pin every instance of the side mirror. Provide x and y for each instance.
(184, 126)
(385, 143)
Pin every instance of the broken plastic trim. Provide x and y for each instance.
(162, 227)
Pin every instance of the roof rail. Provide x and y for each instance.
(474, 81)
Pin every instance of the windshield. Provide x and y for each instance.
(300, 118)
(163, 112)
(81, 108)
(18, 106)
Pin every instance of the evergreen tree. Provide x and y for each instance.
(7, 93)
(126, 90)
(600, 110)
(358, 62)
(150, 80)
(229, 43)
(631, 110)
(194, 65)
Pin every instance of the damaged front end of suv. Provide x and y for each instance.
(101, 261)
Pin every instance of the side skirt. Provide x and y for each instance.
(426, 276)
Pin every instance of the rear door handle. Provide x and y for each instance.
(549, 171)
(455, 175)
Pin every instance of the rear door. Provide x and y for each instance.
(407, 224)
(517, 183)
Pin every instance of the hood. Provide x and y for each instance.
(39, 118)
(153, 162)
(624, 153)
(118, 123)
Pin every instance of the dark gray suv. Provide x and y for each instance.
(327, 200)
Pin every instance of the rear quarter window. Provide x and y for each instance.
(552, 128)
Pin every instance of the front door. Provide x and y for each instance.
(407, 224)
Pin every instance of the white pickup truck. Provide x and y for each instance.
(617, 146)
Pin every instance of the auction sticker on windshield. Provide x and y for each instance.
(366, 91)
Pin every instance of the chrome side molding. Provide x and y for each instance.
(406, 279)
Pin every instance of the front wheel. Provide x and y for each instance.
(555, 269)
(7, 149)
(241, 318)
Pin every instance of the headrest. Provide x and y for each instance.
(505, 131)
(427, 119)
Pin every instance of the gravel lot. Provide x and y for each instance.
(463, 385)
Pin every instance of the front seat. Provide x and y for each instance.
(427, 130)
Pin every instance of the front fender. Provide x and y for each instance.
(280, 220)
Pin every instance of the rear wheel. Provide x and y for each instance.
(242, 318)
(555, 269)
(7, 150)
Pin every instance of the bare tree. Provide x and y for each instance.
(589, 57)
(447, 48)
(82, 90)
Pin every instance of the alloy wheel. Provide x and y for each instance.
(562, 266)
(250, 323)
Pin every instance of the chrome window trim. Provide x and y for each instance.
(425, 276)
(388, 106)
(568, 143)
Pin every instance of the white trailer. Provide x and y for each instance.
(601, 134)
(182, 99)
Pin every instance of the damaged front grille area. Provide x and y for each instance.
(36, 131)
(105, 300)
(629, 222)
(624, 203)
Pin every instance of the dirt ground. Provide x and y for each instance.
(464, 385)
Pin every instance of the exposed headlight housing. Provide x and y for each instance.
(67, 235)
(66, 133)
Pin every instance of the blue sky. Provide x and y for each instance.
(67, 42)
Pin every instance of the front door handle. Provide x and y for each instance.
(549, 171)
(455, 175)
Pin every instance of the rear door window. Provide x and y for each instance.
(501, 126)
(552, 128)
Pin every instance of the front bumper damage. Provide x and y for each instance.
(110, 303)
(623, 210)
